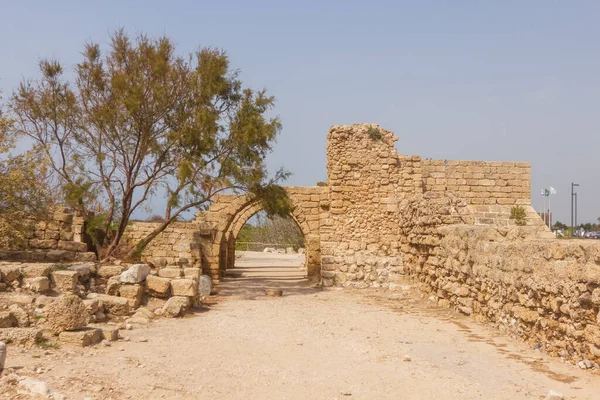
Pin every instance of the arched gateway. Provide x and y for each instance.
(228, 214)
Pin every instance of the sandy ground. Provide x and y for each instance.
(308, 344)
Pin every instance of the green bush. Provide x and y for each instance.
(518, 214)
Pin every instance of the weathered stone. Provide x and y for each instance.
(92, 305)
(113, 285)
(60, 255)
(72, 246)
(64, 281)
(205, 285)
(38, 285)
(83, 337)
(20, 336)
(176, 306)
(19, 315)
(596, 297)
(133, 293)
(184, 287)
(10, 272)
(170, 272)
(158, 287)
(112, 304)
(192, 273)
(7, 320)
(36, 270)
(66, 313)
(106, 271)
(135, 274)
(85, 256)
(83, 270)
(142, 316)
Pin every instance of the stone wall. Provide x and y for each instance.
(479, 182)
(178, 244)
(61, 237)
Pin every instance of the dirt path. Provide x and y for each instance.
(308, 344)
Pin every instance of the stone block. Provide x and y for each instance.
(79, 247)
(67, 313)
(85, 256)
(135, 274)
(36, 270)
(7, 320)
(106, 271)
(42, 244)
(192, 273)
(64, 281)
(92, 305)
(20, 336)
(83, 337)
(10, 272)
(184, 287)
(109, 332)
(38, 285)
(170, 272)
(176, 306)
(113, 285)
(83, 270)
(60, 255)
(112, 304)
(133, 293)
(158, 287)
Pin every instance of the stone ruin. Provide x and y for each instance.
(384, 217)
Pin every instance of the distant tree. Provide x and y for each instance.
(155, 218)
(559, 225)
(24, 193)
(276, 230)
(139, 121)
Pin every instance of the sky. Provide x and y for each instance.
(469, 80)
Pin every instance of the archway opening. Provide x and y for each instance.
(264, 252)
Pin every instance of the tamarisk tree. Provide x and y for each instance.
(140, 120)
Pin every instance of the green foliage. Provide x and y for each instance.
(374, 133)
(271, 230)
(24, 193)
(518, 214)
(320, 183)
(138, 117)
(45, 344)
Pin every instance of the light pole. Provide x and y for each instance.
(573, 194)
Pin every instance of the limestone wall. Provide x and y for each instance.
(61, 237)
(479, 182)
(178, 244)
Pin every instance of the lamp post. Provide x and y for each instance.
(573, 194)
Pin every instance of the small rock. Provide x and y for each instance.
(552, 395)
(143, 340)
(106, 343)
(273, 292)
(2, 355)
(588, 363)
(407, 358)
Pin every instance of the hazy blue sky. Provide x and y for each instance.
(480, 80)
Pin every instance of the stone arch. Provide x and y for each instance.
(228, 214)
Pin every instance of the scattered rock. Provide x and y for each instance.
(205, 285)
(274, 292)
(65, 281)
(134, 293)
(2, 355)
(135, 274)
(170, 272)
(106, 271)
(159, 287)
(176, 306)
(184, 287)
(552, 395)
(83, 337)
(407, 358)
(20, 336)
(112, 304)
(67, 313)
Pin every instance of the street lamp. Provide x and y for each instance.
(573, 194)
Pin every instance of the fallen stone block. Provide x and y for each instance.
(20, 299)
(112, 304)
(83, 337)
(10, 272)
(66, 313)
(204, 285)
(20, 336)
(135, 274)
(65, 281)
(38, 285)
(184, 287)
(20, 315)
(158, 287)
(113, 285)
(36, 270)
(133, 293)
(91, 305)
(192, 273)
(170, 272)
(142, 316)
(106, 271)
(7, 320)
(176, 306)
(83, 270)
